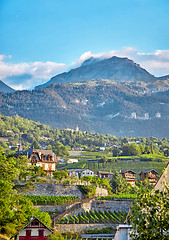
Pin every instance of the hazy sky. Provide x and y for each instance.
(41, 38)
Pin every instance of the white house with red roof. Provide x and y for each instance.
(34, 230)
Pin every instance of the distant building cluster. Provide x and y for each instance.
(145, 117)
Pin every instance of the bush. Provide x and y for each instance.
(88, 191)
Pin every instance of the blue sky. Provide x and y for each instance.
(41, 38)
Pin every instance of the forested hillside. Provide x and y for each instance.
(15, 130)
(101, 106)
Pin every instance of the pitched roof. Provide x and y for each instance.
(148, 171)
(127, 171)
(163, 179)
(42, 152)
(34, 218)
(104, 172)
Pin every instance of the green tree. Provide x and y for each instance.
(104, 160)
(56, 236)
(150, 215)
(15, 210)
(60, 149)
(116, 152)
(118, 184)
(61, 175)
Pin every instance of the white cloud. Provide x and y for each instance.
(157, 63)
(40, 72)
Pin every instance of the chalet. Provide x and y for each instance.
(34, 230)
(163, 179)
(104, 174)
(43, 158)
(129, 176)
(150, 175)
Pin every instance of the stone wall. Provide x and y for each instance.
(113, 205)
(59, 209)
(101, 192)
(81, 227)
(102, 205)
(51, 189)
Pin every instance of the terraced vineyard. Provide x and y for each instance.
(95, 217)
(40, 200)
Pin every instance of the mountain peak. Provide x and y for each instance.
(114, 68)
(90, 61)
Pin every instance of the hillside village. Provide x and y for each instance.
(86, 213)
(85, 190)
(91, 206)
(84, 120)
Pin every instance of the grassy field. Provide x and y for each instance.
(135, 163)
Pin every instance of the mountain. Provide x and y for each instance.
(5, 88)
(111, 96)
(103, 106)
(114, 68)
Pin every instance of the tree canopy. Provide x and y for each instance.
(150, 215)
(15, 210)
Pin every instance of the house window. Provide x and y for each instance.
(28, 233)
(41, 233)
(35, 223)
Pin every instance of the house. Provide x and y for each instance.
(150, 175)
(80, 172)
(129, 176)
(43, 158)
(72, 160)
(74, 172)
(34, 230)
(102, 148)
(86, 172)
(163, 179)
(104, 174)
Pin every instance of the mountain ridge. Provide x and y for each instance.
(5, 88)
(102, 106)
(114, 68)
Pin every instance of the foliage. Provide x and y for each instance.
(35, 133)
(119, 196)
(106, 230)
(119, 184)
(150, 215)
(88, 191)
(56, 236)
(95, 217)
(61, 175)
(41, 200)
(15, 210)
(60, 149)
